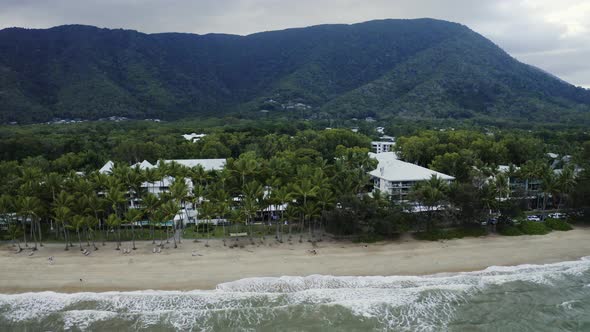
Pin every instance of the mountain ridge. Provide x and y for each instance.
(381, 68)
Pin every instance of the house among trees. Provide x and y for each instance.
(382, 146)
(159, 184)
(539, 183)
(396, 178)
(193, 137)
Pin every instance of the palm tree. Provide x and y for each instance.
(63, 199)
(303, 190)
(62, 214)
(245, 167)
(528, 171)
(196, 198)
(199, 175)
(207, 210)
(114, 222)
(567, 182)
(177, 170)
(14, 232)
(151, 203)
(28, 208)
(7, 207)
(249, 208)
(290, 214)
(78, 222)
(54, 183)
(325, 198)
(532, 170)
(151, 176)
(281, 196)
(501, 184)
(253, 193)
(170, 210)
(488, 195)
(132, 216)
(162, 171)
(115, 196)
(134, 181)
(310, 210)
(221, 202)
(82, 186)
(179, 192)
(549, 185)
(91, 223)
(98, 180)
(159, 218)
(430, 193)
(94, 206)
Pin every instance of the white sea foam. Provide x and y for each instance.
(397, 302)
(491, 275)
(82, 319)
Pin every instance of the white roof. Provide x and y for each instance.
(107, 168)
(552, 155)
(392, 169)
(506, 168)
(167, 181)
(144, 165)
(208, 164)
(384, 156)
(193, 136)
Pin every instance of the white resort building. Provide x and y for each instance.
(382, 146)
(187, 214)
(193, 137)
(396, 178)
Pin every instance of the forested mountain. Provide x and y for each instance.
(411, 68)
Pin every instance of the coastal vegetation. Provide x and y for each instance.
(51, 190)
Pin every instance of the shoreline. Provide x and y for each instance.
(177, 269)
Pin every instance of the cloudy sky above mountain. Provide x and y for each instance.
(552, 35)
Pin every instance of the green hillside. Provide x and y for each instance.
(411, 68)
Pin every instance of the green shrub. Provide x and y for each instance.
(433, 235)
(368, 238)
(558, 224)
(448, 234)
(533, 228)
(509, 230)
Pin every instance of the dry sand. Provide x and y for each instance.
(177, 269)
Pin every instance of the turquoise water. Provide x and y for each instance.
(552, 297)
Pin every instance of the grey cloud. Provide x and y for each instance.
(537, 32)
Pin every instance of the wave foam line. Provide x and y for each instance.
(395, 301)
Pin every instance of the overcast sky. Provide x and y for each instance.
(551, 34)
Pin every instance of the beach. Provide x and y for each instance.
(194, 266)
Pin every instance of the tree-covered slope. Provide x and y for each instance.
(465, 76)
(407, 67)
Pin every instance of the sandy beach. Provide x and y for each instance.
(194, 266)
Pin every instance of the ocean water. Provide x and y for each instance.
(552, 297)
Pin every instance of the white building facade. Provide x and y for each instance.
(382, 146)
(187, 213)
(396, 178)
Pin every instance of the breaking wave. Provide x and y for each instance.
(416, 303)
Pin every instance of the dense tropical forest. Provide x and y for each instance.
(420, 69)
(51, 190)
